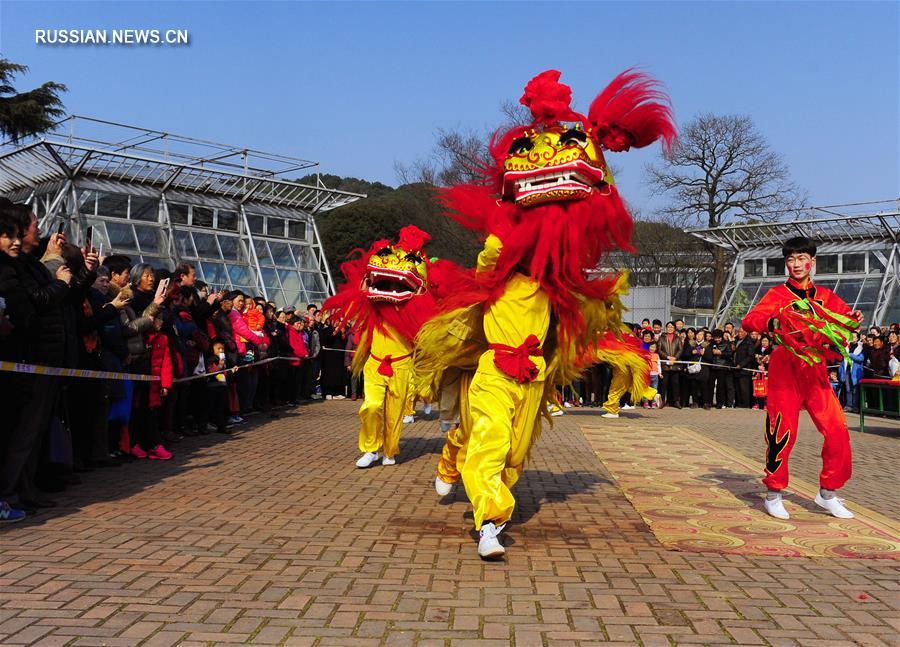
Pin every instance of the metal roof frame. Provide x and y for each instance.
(879, 227)
(58, 165)
(47, 160)
(835, 233)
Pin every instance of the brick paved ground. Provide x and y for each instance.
(875, 453)
(273, 537)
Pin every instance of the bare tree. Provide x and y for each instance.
(722, 170)
(459, 154)
(666, 255)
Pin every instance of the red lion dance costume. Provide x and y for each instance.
(531, 315)
(384, 302)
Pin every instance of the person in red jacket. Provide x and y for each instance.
(160, 367)
(795, 383)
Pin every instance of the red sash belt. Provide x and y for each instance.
(385, 368)
(515, 361)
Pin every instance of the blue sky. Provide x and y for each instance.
(359, 86)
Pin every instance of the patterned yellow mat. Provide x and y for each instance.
(698, 495)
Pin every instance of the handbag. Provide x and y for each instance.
(694, 368)
(760, 387)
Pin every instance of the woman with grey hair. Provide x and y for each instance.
(143, 284)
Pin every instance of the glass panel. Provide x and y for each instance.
(281, 254)
(146, 209)
(257, 223)
(215, 275)
(276, 227)
(178, 213)
(827, 264)
(848, 289)
(775, 267)
(148, 239)
(203, 217)
(206, 245)
(868, 293)
(269, 277)
(262, 252)
(183, 244)
(120, 235)
(156, 262)
(753, 267)
(875, 263)
(88, 204)
(297, 230)
(227, 220)
(854, 262)
(290, 279)
(314, 285)
(229, 247)
(240, 275)
(112, 205)
(304, 257)
(277, 296)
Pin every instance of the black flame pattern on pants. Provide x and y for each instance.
(775, 444)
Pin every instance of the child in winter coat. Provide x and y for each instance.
(655, 371)
(217, 386)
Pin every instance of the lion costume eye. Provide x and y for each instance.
(412, 257)
(521, 146)
(384, 251)
(573, 137)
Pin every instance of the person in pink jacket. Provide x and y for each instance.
(246, 341)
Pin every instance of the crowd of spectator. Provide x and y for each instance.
(728, 368)
(212, 357)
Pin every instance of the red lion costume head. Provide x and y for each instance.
(388, 284)
(549, 195)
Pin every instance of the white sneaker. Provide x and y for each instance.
(367, 459)
(775, 508)
(627, 406)
(834, 505)
(607, 414)
(387, 460)
(338, 397)
(555, 411)
(441, 487)
(408, 419)
(489, 547)
(567, 405)
(327, 397)
(427, 409)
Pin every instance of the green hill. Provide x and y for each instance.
(383, 214)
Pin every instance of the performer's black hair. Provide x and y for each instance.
(799, 245)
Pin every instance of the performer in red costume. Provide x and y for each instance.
(809, 323)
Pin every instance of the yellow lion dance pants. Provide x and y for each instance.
(504, 415)
(454, 411)
(381, 413)
(621, 382)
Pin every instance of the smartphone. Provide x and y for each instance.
(60, 227)
(88, 238)
(164, 285)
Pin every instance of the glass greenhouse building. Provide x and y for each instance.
(858, 257)
(162, 199)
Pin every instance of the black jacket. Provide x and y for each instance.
(46, 295)
(14, 347)
(745, 354)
